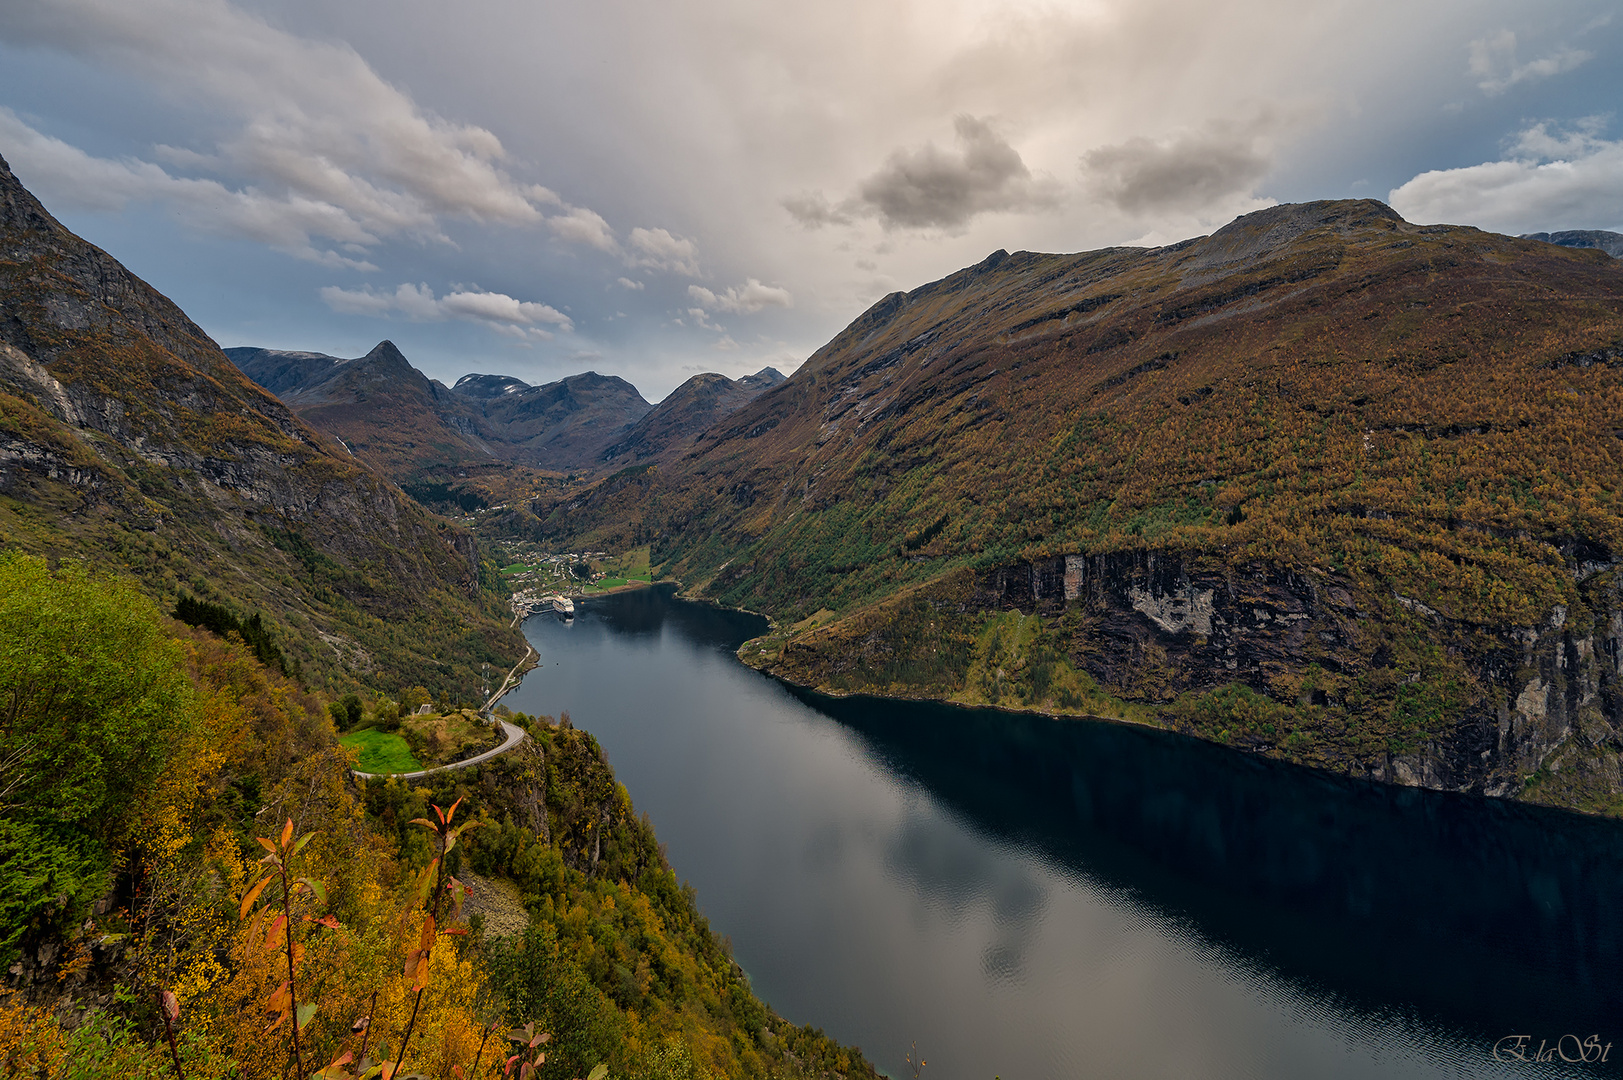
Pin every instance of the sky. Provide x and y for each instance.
(655, 189)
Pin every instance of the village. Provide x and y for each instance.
(541, 579)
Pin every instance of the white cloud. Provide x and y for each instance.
(627, 283)
(660, 250)
(1493, 62)
(498, 311)
(317, 146)
(583, 226)
(744, 299)
(1550, 180)
(78, 180)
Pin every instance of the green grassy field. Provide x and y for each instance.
(381, 752)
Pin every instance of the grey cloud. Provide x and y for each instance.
(1188, 173)
(934, 188)
(813, 210)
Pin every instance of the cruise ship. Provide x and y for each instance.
(563, 606)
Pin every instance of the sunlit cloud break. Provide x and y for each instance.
(502, 313)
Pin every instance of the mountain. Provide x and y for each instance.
(1325, 485)
(563, 426)
(1609, 242)
(686, 412)
(127, 438)
(425, 436)
(485, 387)
(385, 411)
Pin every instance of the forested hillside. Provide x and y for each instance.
(1325, 484)
(152, 776)
(127, 438)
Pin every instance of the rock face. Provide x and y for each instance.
(1540, 701)
(128, 437)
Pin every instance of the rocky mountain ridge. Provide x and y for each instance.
(419, 431)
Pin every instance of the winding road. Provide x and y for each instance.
(514, 733)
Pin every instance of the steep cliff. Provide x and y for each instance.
(127, 435)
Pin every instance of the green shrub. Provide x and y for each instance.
(93, 697)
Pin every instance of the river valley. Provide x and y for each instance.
(1025, 897)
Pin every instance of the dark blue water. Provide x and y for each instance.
(1027, 897)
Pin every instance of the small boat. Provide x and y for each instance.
(563, 606)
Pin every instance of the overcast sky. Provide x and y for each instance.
(653, 189)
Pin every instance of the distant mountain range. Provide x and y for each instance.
(417, 430)
(1600, 239)
(128, 439)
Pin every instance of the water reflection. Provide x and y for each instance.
(1039, 898)
(1488, 916)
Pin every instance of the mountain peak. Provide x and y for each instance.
(1259, 234)
(386, 350)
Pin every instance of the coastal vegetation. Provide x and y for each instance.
(147, 767)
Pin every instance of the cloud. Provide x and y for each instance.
(316, 146)
(498, 311)
(1189, 172)
(1549, 180)
(78, 180)
(627, 283)
(743, 299)
(1493, 62)
(658, 249)
(930, 187)
(813, 210)
(583, 226)
(934, 188)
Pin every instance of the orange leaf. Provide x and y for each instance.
(426, 942)
(252, 895)
(268, 845)
(273, 939)
(287, 834)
